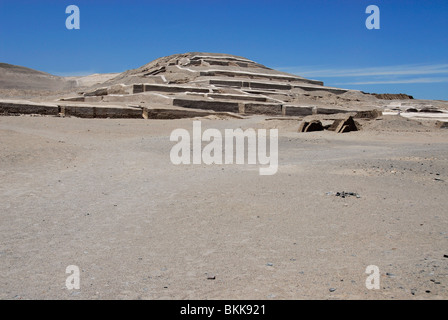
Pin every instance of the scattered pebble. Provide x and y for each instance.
(269, 264)
(344, 194)
(435, 282)
(390, 274)
(332, 289)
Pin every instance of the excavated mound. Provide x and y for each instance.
(187, 67)
(203, 84)
(221, 83)
(398, 124)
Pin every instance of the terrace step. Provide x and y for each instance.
(217, 62)
(244, 84)
(144, 97)
(180, 113)
(78, 110)
(227, 96)
(250, 85)
(89, 111)
(256, 75)
(216, 105)
(321, 110)
(262, 108)
(295, 110)
(236, 97)
(266, 92)
(8, 107)
(167, 88)
(229, 106)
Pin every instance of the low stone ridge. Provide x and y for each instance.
(430, 110)
(392, 96)
(368, 114)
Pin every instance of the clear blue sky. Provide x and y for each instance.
(325, 40)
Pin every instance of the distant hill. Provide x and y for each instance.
(92, 79)
(17, 77)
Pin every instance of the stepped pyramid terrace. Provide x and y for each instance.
(198, 84)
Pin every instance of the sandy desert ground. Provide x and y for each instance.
(102, 194)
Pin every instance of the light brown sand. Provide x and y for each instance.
(103, 195)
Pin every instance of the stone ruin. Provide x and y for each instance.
(201, 84)
(219, 83)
